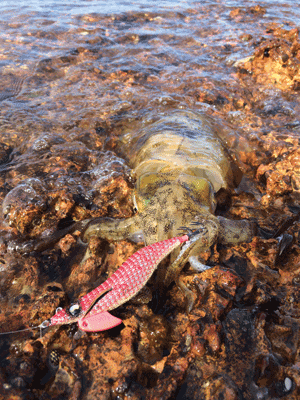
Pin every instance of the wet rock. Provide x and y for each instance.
(272, 380)
(23, 206)
(246, 13)
(170, 378)
(284, 340)
(19, 282)
(276, 61)
(240, 344)
(67, 381)
(220, 387)
(281, 176)
(45, 305)
(5, 151)
(78, 183)
(211, 335)
(219, 292)
(153, 341)
(112, 361)
(67, 243)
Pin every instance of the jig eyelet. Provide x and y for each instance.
(45, 324)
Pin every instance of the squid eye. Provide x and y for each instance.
(75, 309)
(58, 310)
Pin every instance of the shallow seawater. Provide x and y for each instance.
(73, 67)
(77, 74)
(83, 67)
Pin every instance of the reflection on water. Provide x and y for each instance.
(76, 7)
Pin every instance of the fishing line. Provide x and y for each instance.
(21, 330)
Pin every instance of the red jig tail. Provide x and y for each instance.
(99, 322)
